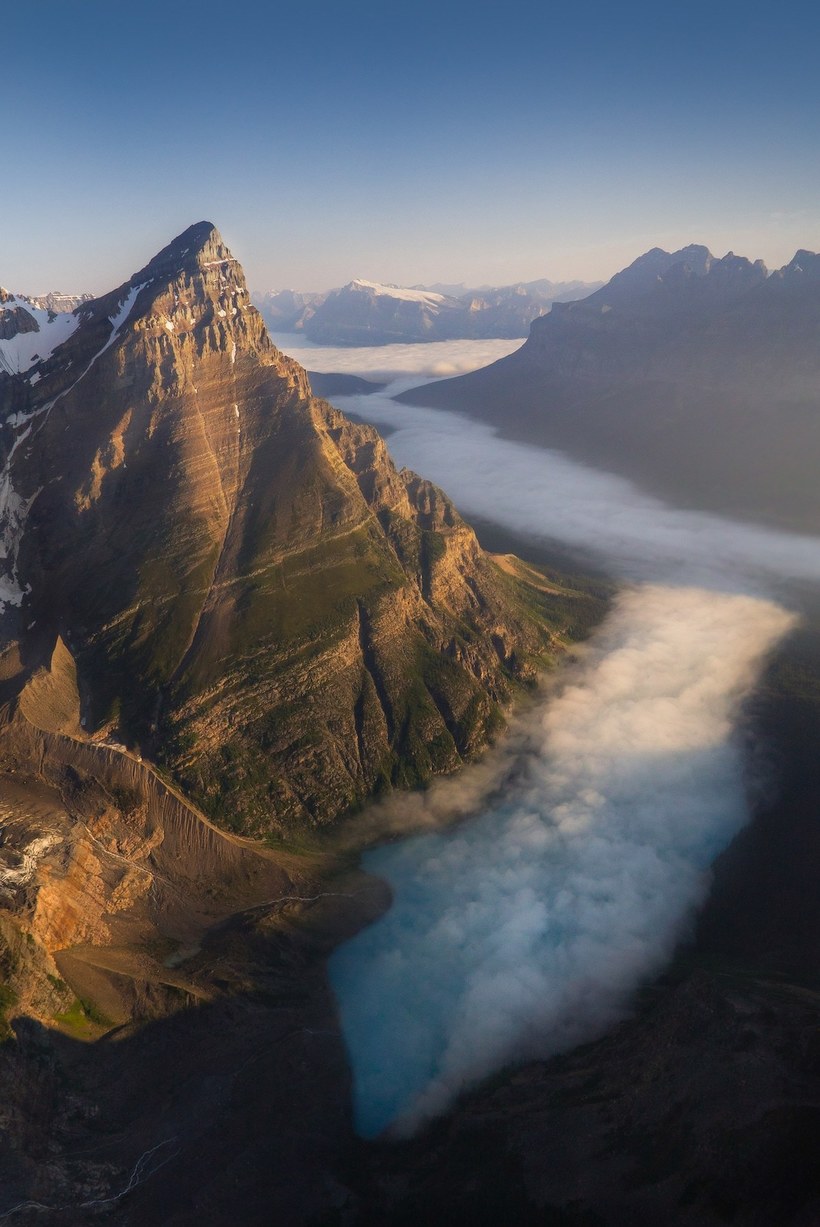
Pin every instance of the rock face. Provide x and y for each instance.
(252, 593)
(369, 313)
(14, 320)
(697, 376)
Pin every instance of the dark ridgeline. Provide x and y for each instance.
(697, 377)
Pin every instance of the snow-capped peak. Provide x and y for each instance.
(426, 297)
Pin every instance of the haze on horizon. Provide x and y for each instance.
(415, 143)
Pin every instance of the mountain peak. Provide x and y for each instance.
(189, 511)
(191, 297)
(198, 247)
(656, 262)
(804, 264)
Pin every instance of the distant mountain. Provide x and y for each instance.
(26, 322)
(286, 310)
(58, 302)
(30, 328)
(369, 313)
(697, 376)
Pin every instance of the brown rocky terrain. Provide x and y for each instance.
(252, 593)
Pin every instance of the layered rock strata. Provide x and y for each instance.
(253, 594)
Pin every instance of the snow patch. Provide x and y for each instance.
(117, 320)
(18, 354)
(13, 512)
(426, 297)
(25, 860)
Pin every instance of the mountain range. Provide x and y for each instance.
(227, 622)
(696, 376)
(369, 313)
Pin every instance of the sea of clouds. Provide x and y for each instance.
(523, 931)
(408, 363)
(584, 840)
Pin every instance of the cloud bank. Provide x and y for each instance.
(523, 932)
(542, 494)
(409, 363)
(539, 493)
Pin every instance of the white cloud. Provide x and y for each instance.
(411, 363)
(542, 494)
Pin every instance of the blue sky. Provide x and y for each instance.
(404, 142)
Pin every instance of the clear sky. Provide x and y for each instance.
(404, 142)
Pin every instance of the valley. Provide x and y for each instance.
(409, 615)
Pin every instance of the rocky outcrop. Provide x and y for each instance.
(92, 829)
(14, 320)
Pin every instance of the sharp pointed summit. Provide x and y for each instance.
(211, 540)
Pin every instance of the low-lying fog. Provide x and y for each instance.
(525, 929)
